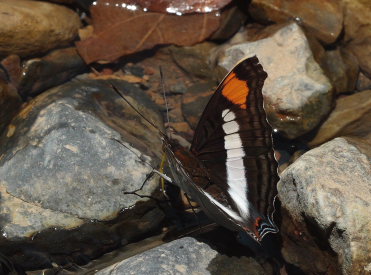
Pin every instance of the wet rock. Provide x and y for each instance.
(327, 193)
(179, 75)
(10, 102)
(61, 163)
(363, 82)
(342, 69)
(32, 27)
(351, 117)
(195, 100)
(323, 19)
(357, 28)
(10, 70)
(66, 248)
(193, 60)
(185, 256)
(39, 74)
(297, 93)
(231, 21)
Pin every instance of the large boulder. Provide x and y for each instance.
(327, 193)
(72, 156)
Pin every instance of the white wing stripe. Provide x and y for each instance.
(228, 115)
(232, 141)
(235, 153)
(235, 169)
(230, 127)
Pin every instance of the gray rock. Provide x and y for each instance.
(329, 189)
(60, 164)
(185, 256)
(297, 93)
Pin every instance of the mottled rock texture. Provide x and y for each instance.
(61, 163)
(327, 192)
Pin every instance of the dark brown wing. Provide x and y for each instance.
(233, 134)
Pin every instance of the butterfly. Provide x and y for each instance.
(230, 168)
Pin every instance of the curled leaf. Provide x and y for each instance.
(178, 6)
(119, 31)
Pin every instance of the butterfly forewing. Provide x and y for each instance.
(234, 144)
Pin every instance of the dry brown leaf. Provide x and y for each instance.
(127, 78)
(178, 6)
(119, 31)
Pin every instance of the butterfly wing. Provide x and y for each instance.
(233, 141)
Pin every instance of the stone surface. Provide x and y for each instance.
(185, 256)
(351, 117)
(323, 19)
(327, 193)
(179, 75)
(357, 31)
(363, 82)
(231, 20)
(193, 60)
(342, 69)
(297, 94)
(39, 74)
(32, 27)
(10, 102)
(60, 164)
(195, 100)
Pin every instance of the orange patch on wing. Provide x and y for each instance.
(235, 90)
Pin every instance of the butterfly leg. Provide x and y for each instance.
(148, 177)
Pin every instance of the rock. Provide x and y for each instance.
(11, 69)
(363, 82)
(327, 193)
(342, 69)
(179, 75)
(231, 20)
(60, 163)
(351, 117)
(323, 19)
(33, 27)
(193, 60)
(185, 256)
(39, 74)
(357, 31)
(10, 102)
(297, 94)
(195, 100)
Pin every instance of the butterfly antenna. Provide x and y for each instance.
(164, 93)
(135, 109)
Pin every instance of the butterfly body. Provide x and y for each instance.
(230, 169)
